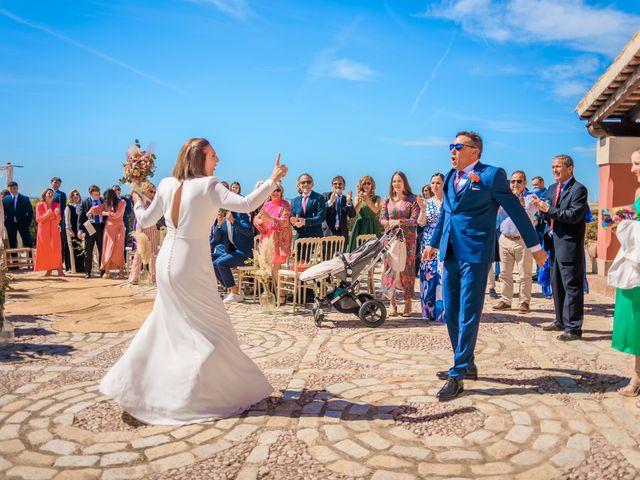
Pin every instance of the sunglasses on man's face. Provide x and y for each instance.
(460, 146)
(305, 182)
(518, 181)
(337, 185)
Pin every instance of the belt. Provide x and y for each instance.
(515, 237)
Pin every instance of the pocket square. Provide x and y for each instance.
(476, 187)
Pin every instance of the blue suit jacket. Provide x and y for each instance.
(467, 219)
(61, 198)
(315, 214)
(23, 211)
(242, 235)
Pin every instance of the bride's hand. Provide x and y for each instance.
(135, 198)
(279, 171)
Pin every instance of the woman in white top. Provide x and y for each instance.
(185, 364)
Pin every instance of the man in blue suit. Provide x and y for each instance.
(235, 232)
(465, 234)
(18, 215)
(60, 197)
(309, 210)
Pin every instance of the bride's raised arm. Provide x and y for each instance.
(154, 212)
(225, 198)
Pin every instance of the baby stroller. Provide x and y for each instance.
(349, 269)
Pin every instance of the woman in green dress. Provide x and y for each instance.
(626, 315)
(367, 205)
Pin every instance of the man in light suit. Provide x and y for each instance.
(465, 234)
(235, 232)
(565, 211)
(339, 209)
(309, 210)
(18, 215)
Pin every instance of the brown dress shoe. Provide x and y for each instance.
(524, 308)
(502, 305)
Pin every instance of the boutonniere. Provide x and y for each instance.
(473, 176)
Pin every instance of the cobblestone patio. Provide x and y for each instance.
(350, 402)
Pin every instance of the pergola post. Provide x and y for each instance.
(617, 188)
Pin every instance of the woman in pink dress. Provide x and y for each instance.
(48, 244)
(272, 221)
(114, 231)
(401, 208)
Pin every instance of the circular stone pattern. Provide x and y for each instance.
(403, 347)
(395, 423)
(259, 342)
(74, 426)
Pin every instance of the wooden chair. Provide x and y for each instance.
(246, 278)
(305, 254)
(18, 257)
(329, 248)
(360, 240)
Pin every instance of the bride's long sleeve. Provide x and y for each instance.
(228, 200)
(149, 216)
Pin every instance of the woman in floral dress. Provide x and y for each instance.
(400, 208)
(431, 270)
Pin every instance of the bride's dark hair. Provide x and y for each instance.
(191, 159)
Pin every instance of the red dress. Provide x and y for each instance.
(48, 243)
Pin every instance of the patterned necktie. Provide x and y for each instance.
(338, 212)
(555, 204)
(304, 204)
(456, 181)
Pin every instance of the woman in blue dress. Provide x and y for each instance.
(431, 270)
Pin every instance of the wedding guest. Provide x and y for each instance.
(74, 244)
(236, 188)
(48, 249)
(91, 229)
(18, 215)
(513, 250)
(426, 194)
(308, 210)
(60, 198)
(367, 207)
(236, 233)
(3, 231)
(542, 275)
(427, 191)
(400, 208)
(112, 209)
(625, 275)
(431, 270)
(565, 211)
(153, 234)
(253, 214)
(339, 209)
(126, 218)
(273, 222)
(218, 244)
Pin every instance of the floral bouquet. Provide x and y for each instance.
(614, 216)
(139, 165)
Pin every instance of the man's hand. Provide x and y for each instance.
(429, 253)
(293, 220)
(333, 197)
(540, 257)
(300, 222)
(349, 196)
(230, 218)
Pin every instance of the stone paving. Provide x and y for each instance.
(350, 402)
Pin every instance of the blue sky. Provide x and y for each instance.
(339, 87)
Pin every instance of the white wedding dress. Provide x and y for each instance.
(185, 364)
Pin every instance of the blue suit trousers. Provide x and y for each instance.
(464, 286)
(223, 265)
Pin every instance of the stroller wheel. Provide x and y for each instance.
(364, 297)
(373, 313)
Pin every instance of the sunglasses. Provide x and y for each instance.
(367, 183)
(278, 190)
(518, 181)
(305, 182)
(338, 185)
(459, 146)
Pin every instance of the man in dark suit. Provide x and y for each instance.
(465, 235)
(308, 210)
(91, 239)
(565, 209)
(18, 215)
(60, 197)
(339, 209)
(235, 233)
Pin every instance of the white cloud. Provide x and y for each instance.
(328, 64)
(588, 150)
(235, 8)
(570, 22)
(573, 79)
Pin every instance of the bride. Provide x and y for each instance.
(185, 364)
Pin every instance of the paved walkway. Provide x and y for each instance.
(350, 402)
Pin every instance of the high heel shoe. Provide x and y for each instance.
(626, 392)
